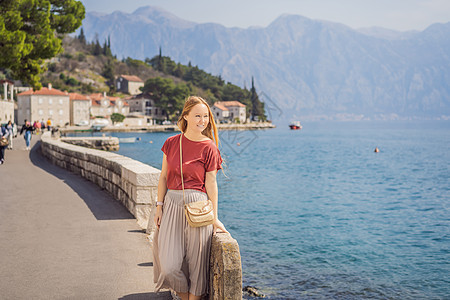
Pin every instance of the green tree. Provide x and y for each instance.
(257, 111)
(96, 48)
(31, 31)
(117, 118)
(82, 37)
(109, 73)
(167, 95)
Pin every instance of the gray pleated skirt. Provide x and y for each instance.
(181, 252)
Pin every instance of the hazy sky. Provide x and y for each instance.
(392, 14)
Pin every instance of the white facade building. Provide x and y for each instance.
(46, 103)
(80, 108)
(143, 104)
(104, 106)
(229, 111)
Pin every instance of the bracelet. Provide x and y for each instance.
(159, 203)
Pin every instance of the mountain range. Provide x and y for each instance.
(304, 69)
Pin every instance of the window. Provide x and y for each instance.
(217, 116)
(41, 112)
(156, 111)
(148, 103)
(123, 110)
(50, 101)
(41, 100)
(61, 101)
(61, 112)
(50, 112)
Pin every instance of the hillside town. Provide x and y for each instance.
(61, 108)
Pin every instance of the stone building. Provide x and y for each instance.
(229, 111)
(7, 104)
(80, 108)
(104, 106)
(46, 103)
(220, 112)
(144, 104)
(129, 84)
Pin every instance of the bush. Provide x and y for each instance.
(117, 118)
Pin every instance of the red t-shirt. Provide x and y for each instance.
(198, 158)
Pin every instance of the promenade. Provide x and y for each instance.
(62, 237)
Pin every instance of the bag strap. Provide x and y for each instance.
(181, 166)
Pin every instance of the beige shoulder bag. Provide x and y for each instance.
(199, 213)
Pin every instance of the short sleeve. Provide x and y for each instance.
(213, 159)
(164, 147)
(169, 144)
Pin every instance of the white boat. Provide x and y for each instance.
(295, 125)
(128, 140)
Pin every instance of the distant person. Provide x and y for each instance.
(38, 127)
(42, 125)
(28, 129)
(4, 133)
(376, 150)
(10, 128)
(181, 252)
(49, 124)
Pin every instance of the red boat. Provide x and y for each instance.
(295, 125)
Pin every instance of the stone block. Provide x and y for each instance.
(142, 214)
(141, 174)
(142, 195)
(225, 268)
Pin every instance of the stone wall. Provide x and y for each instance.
(6, 111)
(135, 185)
(132, 183)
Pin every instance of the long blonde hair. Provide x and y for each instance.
(210, 130)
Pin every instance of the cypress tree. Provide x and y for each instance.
(82, 37)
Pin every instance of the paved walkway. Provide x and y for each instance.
(62, 237)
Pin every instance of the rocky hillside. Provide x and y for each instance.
(78, 70)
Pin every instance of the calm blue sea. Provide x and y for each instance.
(319, 215)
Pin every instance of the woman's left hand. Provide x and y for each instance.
(218, 225)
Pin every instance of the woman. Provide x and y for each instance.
(10, 128)
(4, 134)
(180, 252)
(28, 132)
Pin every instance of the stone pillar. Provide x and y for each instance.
(5, 90)
(225, 278)
(12, 91)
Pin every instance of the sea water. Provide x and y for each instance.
(319, 215)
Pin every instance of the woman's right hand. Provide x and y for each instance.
(158, 215)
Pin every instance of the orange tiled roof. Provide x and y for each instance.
(220, 106)
(44, 91)
(76, 96)
(230, 103)
(95, 102)
(132, 78)
(113, 102)
(96, 96)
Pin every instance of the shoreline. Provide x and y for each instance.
(163, 128)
